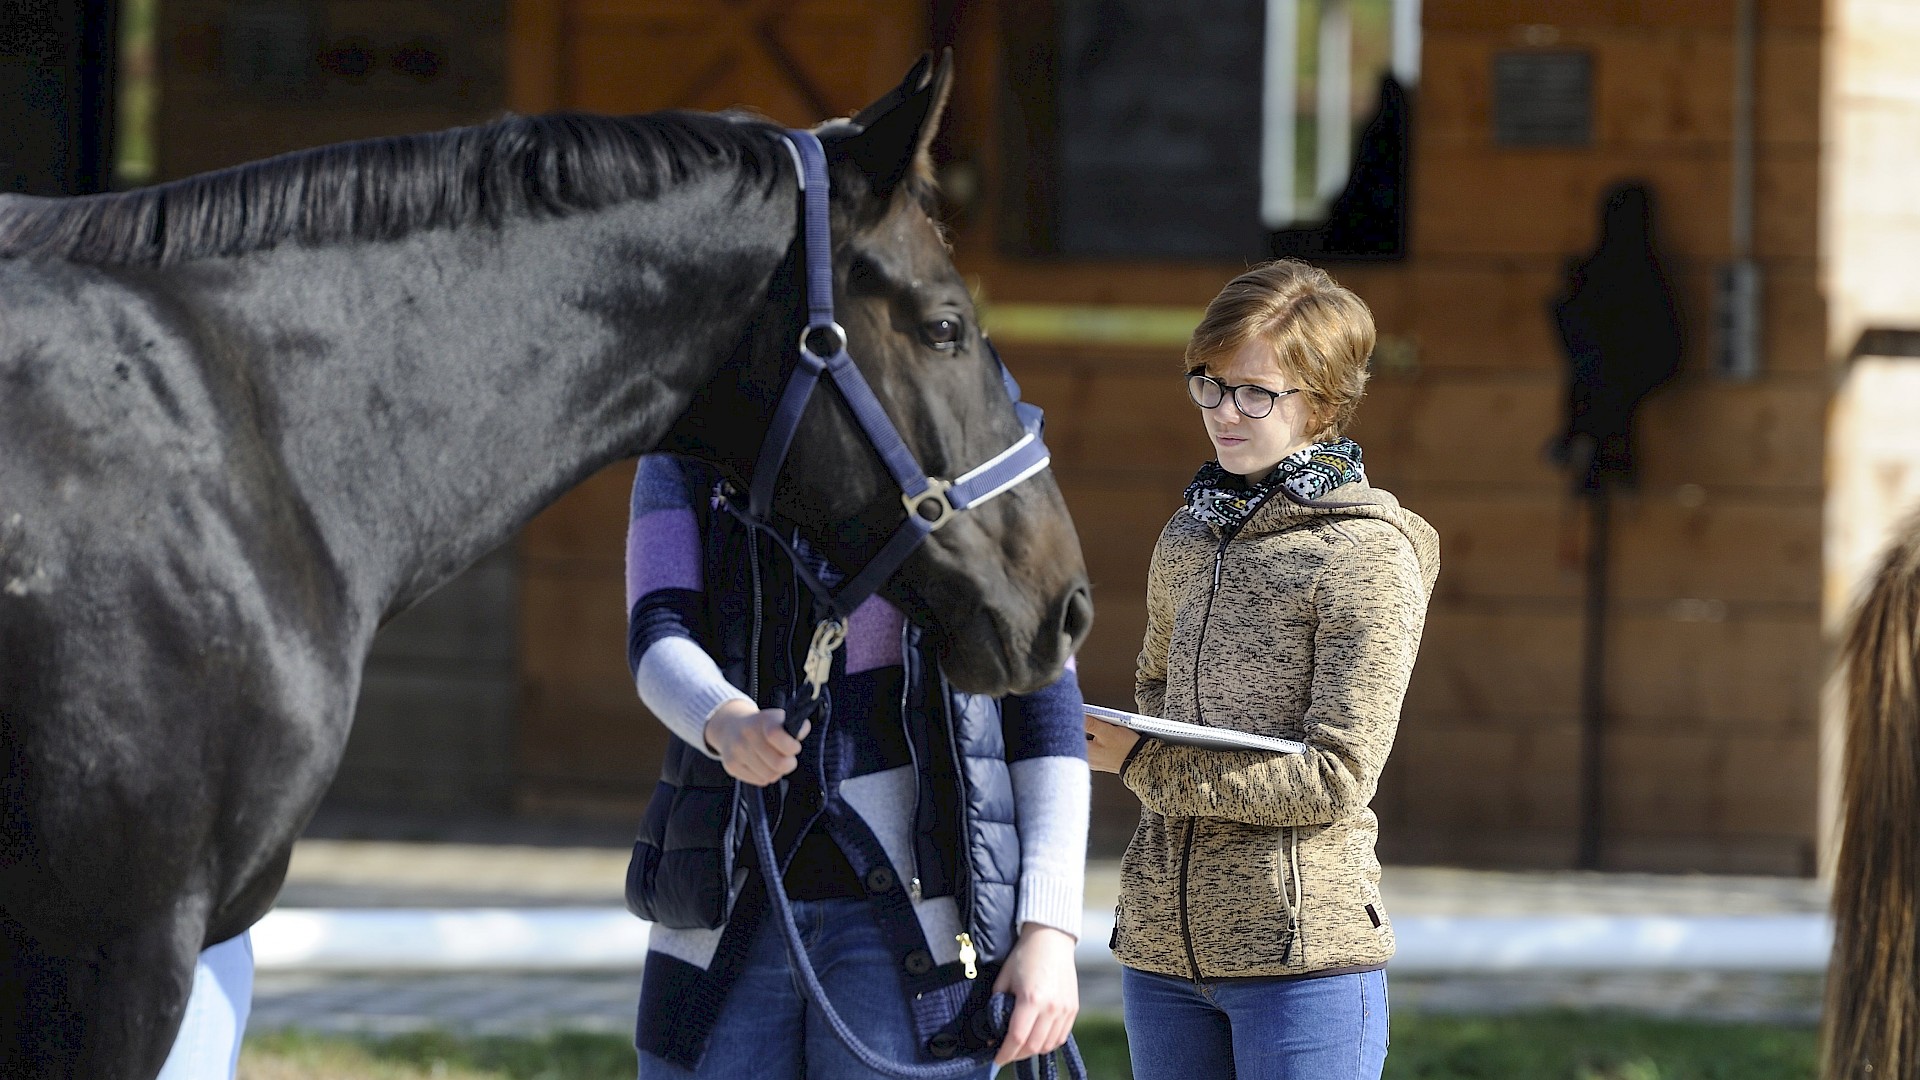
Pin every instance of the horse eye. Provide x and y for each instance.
(942, 333)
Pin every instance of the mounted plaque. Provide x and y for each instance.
(1543, 98)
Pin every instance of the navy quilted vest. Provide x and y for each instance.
(686, 871)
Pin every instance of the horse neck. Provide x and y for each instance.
(425, 398)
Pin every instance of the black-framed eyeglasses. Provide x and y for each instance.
(1253, 401)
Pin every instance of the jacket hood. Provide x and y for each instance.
(1356, 500)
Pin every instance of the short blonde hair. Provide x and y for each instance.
(1321, 334)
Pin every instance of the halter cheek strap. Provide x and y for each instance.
(928, 502)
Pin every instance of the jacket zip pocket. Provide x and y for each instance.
(1186, 926)
(1290, 874)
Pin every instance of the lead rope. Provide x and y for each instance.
(1000, 1006)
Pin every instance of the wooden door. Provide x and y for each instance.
(797, 61)
(585, 744)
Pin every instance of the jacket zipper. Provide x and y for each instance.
(1186, 848)
(1206, 617)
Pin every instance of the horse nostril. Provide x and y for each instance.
(1076, 616)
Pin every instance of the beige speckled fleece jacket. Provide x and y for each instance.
(1304, 624)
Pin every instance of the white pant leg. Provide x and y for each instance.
(208, 1046)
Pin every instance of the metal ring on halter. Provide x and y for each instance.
(833, 327)
(936, 493)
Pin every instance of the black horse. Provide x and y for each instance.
(246, 417)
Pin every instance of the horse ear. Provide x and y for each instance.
(895, 133)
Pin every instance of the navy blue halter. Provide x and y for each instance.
(929, 502)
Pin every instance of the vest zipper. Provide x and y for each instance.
(913, 755)
(753, 692)
(963, 867)
(753, 642)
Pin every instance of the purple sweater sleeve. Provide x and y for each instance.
(676, 678)
(664, 580)
(1048, 722)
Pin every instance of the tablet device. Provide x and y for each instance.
(1176, 731)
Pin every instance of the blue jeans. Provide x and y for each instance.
(767, 1028)
(1330, 1028)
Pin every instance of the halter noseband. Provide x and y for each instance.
(930, 502)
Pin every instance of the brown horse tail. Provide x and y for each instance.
(1873, 982)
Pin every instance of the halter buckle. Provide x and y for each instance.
(831, 328)
(827, 639)
(936, 493)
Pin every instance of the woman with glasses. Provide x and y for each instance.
(1285, 598)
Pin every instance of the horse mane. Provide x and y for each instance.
(1873, 981)
(382, 189)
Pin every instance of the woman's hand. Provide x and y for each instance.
(752, 742)
(1046, 993)
(1108, 745)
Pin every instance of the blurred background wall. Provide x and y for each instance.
(57, 77)
(244, 79)
(509, 691)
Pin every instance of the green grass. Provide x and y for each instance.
(301, 1056)
(1533, 1047)
(1586, 1047)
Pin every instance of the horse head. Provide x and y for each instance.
(1003, 586)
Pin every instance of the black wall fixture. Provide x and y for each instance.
(1623, 339)
(1368, 219)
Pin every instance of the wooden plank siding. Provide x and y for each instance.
(433, 724)
(1716, 640)
(205, 121)
(584, 743)
(1716, 648)
(1871, 131)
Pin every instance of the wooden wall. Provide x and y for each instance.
(244, 80)
(240, 81)
(1717, 629)
(1870, 230)
(1716, 634)
(584, 743)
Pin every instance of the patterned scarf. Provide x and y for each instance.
(1218, 497)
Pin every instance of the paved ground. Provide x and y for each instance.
(369, 862)
(504, 1004)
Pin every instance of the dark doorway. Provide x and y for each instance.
(57, 92)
